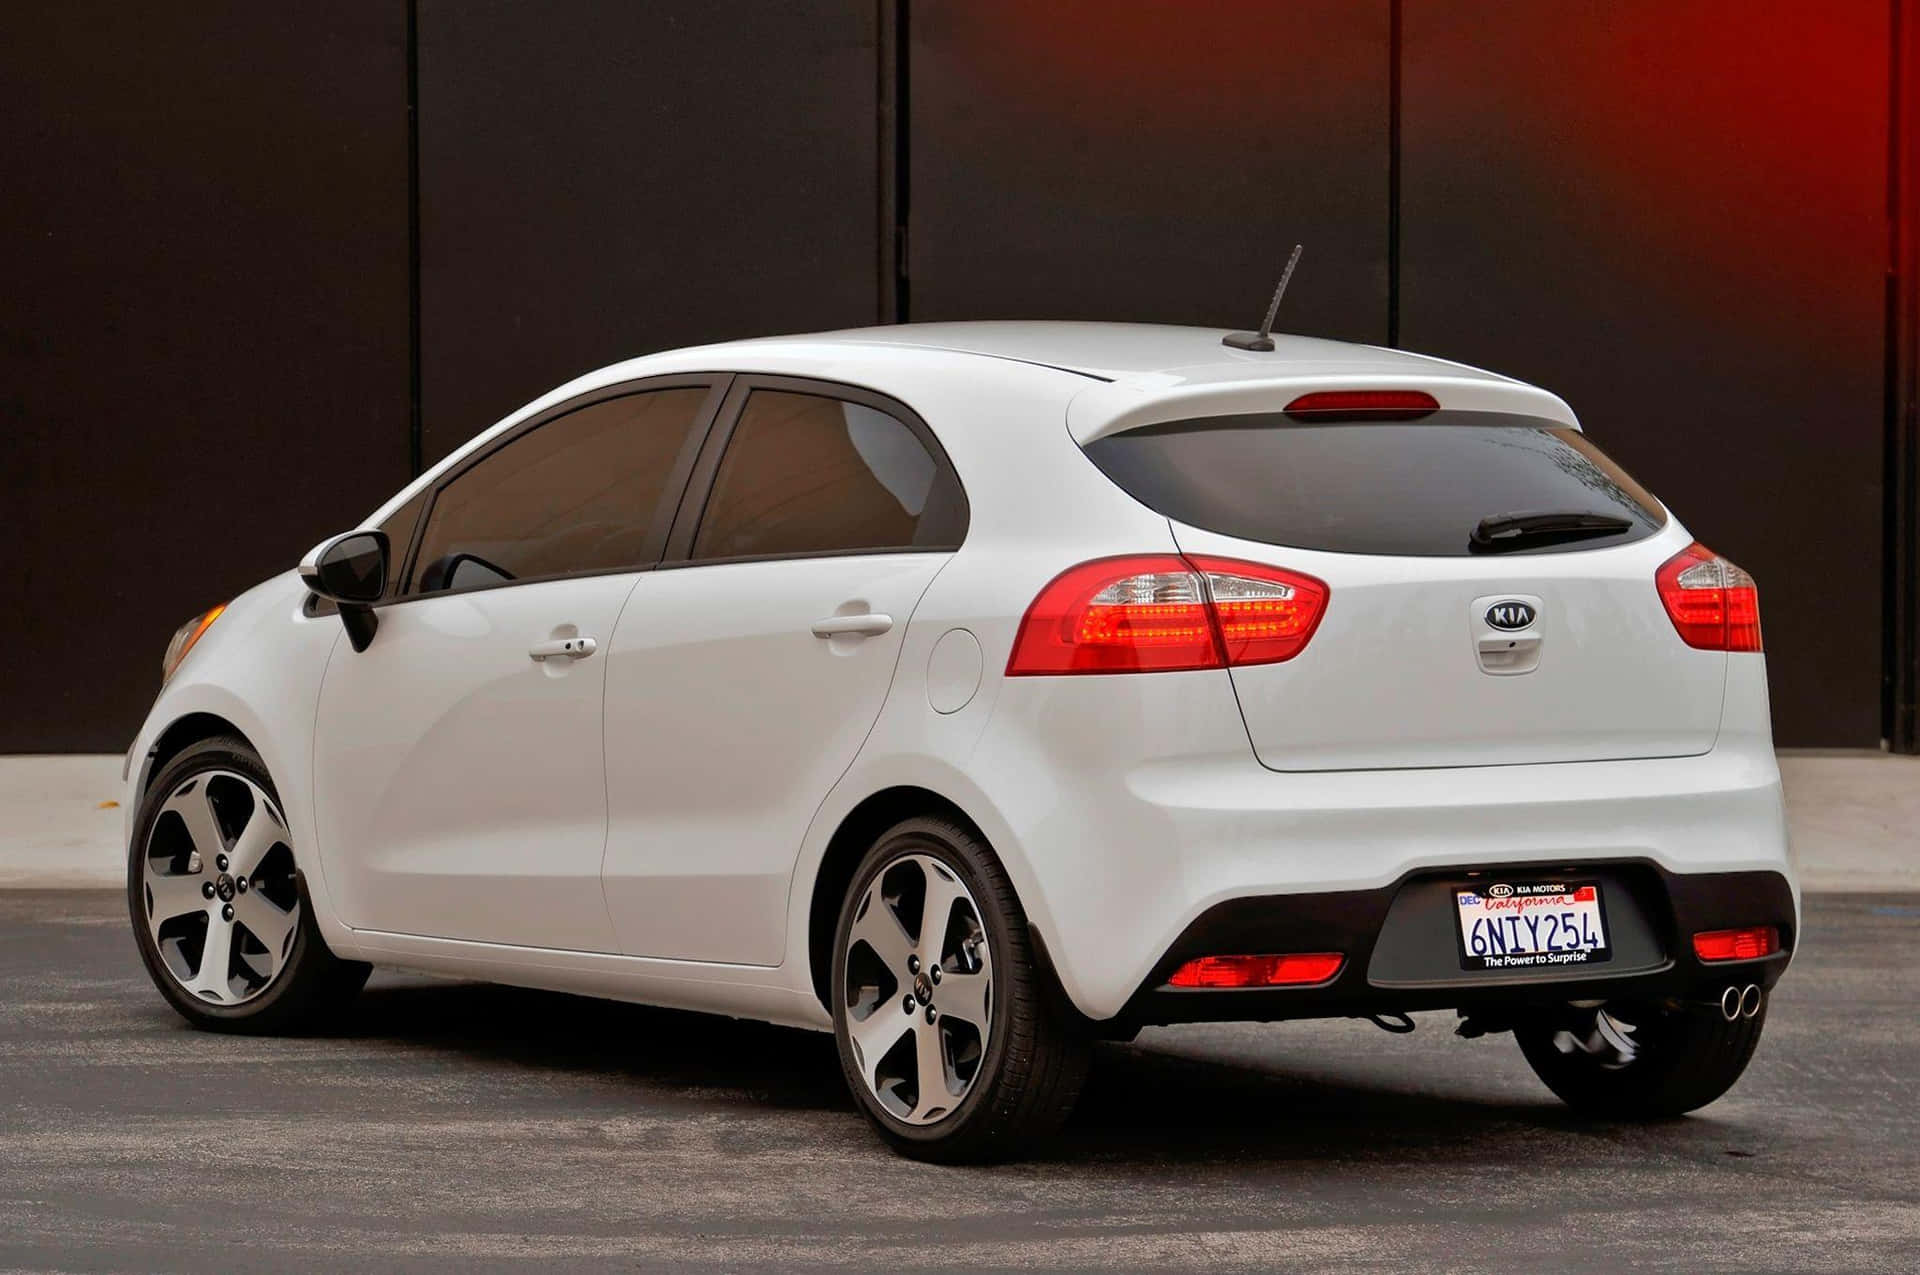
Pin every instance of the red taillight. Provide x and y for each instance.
(1364, 405)
(1118, 615)
(1162, 613)
(1265, 614)
(1736, 945)
(1295, 970)
(1714, 605)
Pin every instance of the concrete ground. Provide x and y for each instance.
(1855, 818)
(458, 1126)
(453, 1126)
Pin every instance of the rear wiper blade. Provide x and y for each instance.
(1503, 532)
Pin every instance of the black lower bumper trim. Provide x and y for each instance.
(1666, 908)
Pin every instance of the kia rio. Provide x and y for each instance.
(978, 691)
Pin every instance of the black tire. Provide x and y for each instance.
(312, 983)
(1035, 1057)
(1688, 1056)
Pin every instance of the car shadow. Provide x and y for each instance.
(1285, 1108)
(1219, 1109)
(658, 1048)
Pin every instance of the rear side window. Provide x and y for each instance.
(1417, 488)
(584, 492)
(806, 474)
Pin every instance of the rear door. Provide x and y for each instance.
(746, 672)
(1544, 641)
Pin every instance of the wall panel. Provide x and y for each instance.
(203, 329)
(602, 180)
(1146, 161)
(1673, 212)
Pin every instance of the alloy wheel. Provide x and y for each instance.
(221, 901)
(918, 991)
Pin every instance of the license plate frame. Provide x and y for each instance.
(1502, 917)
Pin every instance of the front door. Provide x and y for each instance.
(457, 777)
(459, 781)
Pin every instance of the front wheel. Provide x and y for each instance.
(954, 1044)
(218, 910)
(1641, 1061)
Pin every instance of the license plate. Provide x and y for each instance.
(1531, 925)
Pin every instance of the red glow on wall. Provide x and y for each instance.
(1738, 152)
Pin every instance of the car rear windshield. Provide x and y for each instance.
(1419, 488)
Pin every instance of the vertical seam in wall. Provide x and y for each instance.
(902, 124)
(1393, 171)
(1891, 586)
(1900, 618)
(886, 263)
(1907, 235)
(415, 441)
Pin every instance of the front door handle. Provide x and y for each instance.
(573, 648)
(869, 625)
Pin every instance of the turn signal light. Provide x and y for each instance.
(1160, 613)
(1713, 604)
(1736, 945)
(1298, 969)
(189, 633)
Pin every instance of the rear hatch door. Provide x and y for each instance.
(1545, 643)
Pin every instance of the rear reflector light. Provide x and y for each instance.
(1736, 945)
(1714, 605)
(1364, 405)
(1160, 613)
(1295, 970)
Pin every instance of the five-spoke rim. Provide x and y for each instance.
(217, 882)
(917, 988)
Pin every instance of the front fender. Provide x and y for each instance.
(259, 668)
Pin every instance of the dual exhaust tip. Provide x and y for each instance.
(1737, 1003)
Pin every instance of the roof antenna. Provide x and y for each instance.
(1263, 339)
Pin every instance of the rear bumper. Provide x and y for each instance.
(1401, 951)
(1126, 819)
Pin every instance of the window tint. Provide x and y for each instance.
(808, 474)
(579, 493)
(1418, 488)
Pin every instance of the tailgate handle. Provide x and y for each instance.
(1506, 654)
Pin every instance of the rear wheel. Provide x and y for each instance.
(954, 1044)
(1642, 1061)
(217, 904)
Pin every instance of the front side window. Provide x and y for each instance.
(807, 474)
(580, 493)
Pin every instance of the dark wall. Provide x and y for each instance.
(1675, 216)
(1673, 213)
(203, 325)
(1099, 160)
(598, 181)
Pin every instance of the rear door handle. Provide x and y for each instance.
(871, 624)
(573, 648)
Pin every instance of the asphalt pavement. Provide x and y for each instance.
(452, 1126)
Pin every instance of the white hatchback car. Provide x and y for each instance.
(975, 691)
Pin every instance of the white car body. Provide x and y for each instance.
(649, 824)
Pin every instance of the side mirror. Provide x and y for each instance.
(351, 571)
